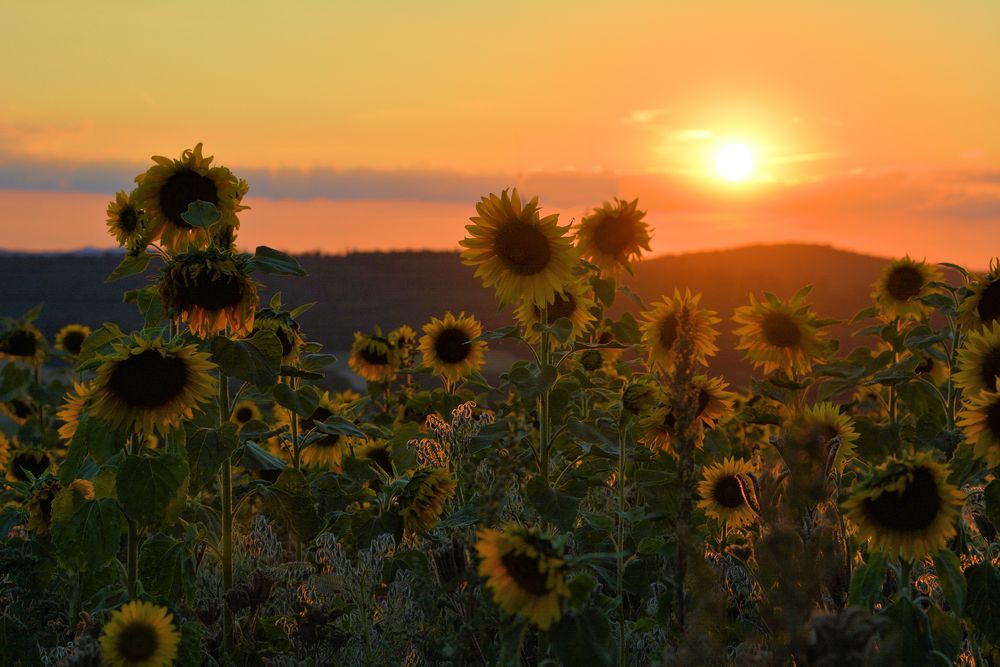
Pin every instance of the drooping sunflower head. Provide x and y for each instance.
(821, 434)
(614, 235)
(571, 302)
(447, 346)
(982, 306)
(672, 318)
(980, 420)
(283, 325)
(727, 492)
(900, 284)
(714, 403)
(145, 383)
(778, 334)
(140, 634)
(324, 451)
(378, 454)
(19, 410)
(39, 505)
(74, 403)
(167, 188)
(23, 460)
(23, 342)
(423, 498)
(70, 338)
(526, 572)
(127, 223)
(906, 506)
(979, 360)
(524, 255)
(244, 412)
(210, 290)
(404, 341)
(373, 358)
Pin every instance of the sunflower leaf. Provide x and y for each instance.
(949, 572)
(95, 437)
(302, 402)
(97, 342)
(165, 566)
(604, 290)
(337, 425)
(153, 489)
(130, 265)
(201, 214)
(92, 534)
(582, 638)
(13, 380)
(254, 457)
(290, 500)
(983, 604)
(255, 360)
(148, 301)
(275, 262)
(206, 451)
(866, 582)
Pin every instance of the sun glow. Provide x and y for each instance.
(734, 162)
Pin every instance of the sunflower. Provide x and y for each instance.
(811, 431)
(127, 223)
(283, 325)
(424, 497)
(72, 409)
(373, 358)
(663, 328)
(39, 505)
(780, 334)
(167, 188)
(24, 460)
(404, 341)
(146, 383)
(613, 235)
(936, 370)
(70, 338)
(447, 346)
(377, 453)
(714, 403)
(899, 285)
(980, 420)
(727, 492)
(979, 360)
(571, 302)
(210, 290)
(513, 248)
(325, 452)
(906, 506)
(19, 410)
(23, 342)
(66, 499)
(140, 634)
(982, 306)
(525, 571)
(245, 412)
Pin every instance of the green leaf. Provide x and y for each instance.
(946, 630)
(604, 290)
(129, 266)
(95, 437)
(992, 496)
(97, 342)
(153, 489)
(462, 518)
(502, 332)
(866, 581)
(289, 500)
(907, 641)
(255, 360)
(253, 457)
(337, 425)
(626, 330)
(91, 536)
(166, 567)
(556, 506)
(201, 214)
(530, 381)
(148, 301)
(582, 639)
(302, 402)
(562, 329)
(13, 380)
(275, 262)
(952, 581)
(588, 435)
(206, 450)
(982, 605)
(650, 545)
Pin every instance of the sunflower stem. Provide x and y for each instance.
(622, 430)
(543, 400)
(226, 489)
(134, 445)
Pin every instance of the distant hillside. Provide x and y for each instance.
(359, 290)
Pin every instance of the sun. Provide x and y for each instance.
(734, 162)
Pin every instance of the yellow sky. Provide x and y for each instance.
(825, 92)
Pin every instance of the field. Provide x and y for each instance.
(545, 450)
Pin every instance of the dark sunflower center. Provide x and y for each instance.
(243, 415)
(926, 366)
(904, 282)
(137, 641)
(605, 338)
(523, 570)
(993, 419)
(128, 219)
(669, 421)
(183, 188)
(72, 341)
(381, 458)
(20, 409)
(989, 302)
(148, 379)
(668, 331)
(320, 415)
(728, 492)
(915, 508)
(563, 306)
(704, 398)
(375, 355)
(522, 248)
(452, 346)
(27, 462)
(781, 330)
(990, 368)
(615, 236)
(212, 292)
(285, 340)
(21, 343)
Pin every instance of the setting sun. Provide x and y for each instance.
(734, 162)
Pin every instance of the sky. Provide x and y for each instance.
(378, 125)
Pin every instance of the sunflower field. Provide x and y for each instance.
(190, 494)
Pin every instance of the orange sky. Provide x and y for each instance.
(378, 125)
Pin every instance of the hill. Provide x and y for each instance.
(360, 290)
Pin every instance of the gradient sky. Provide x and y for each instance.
(379, 124)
